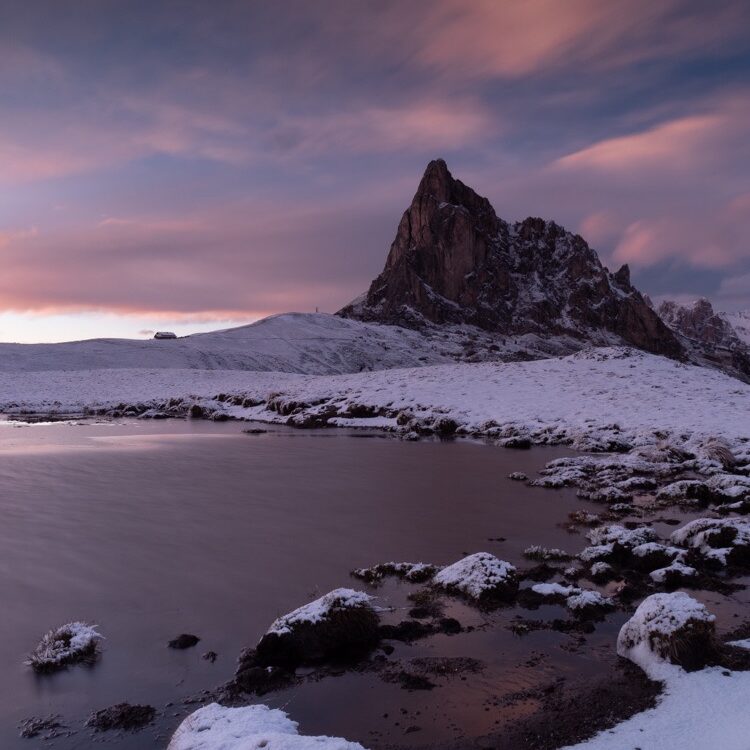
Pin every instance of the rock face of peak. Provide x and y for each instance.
(698, 322)
(455, 261)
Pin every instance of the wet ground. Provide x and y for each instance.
(152, 529)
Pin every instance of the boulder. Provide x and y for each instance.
(481, 577)
(340, 626)
(672, 628)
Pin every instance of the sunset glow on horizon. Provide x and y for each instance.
(194, 166)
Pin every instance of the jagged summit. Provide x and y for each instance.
(455, 261)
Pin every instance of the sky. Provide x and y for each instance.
(191, 165)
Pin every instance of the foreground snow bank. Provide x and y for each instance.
(216, 727)
(703, 709)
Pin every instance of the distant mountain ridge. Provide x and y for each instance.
(710, 337)
(455, 261)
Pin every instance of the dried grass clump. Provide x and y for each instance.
(71, 643)
(545, 554)
(717, 449)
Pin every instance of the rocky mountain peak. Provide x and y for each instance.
(453, 260)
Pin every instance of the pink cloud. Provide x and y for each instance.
(707, 240)
(677, 144)
(248, 259)
(601, 227)
(513, 39)
(423, 125)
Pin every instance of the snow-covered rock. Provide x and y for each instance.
(576, 599)
(216, 727)
(601, 571)
(673, 628)
(651, 555)
(320, 610)
(720, 540)
(615, 534)
(479, 576)
(342, 624)
(673, 573)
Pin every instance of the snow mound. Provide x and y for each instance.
(615, 534)
(479, 576)
(70, 643)
(667, 628)
(216, 727)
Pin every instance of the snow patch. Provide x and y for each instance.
(216, 727)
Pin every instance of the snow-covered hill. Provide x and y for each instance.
(293, 342)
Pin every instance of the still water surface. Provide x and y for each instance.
(155, 529)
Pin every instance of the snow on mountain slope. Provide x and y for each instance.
(740, 321)
(294, 342)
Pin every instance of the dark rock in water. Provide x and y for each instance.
(444, 426)
(450, 625)
(121, 716)
(407, 630)
(409, 681)
(518, 443)
(254, 679)
(454, 261)
(210, 656)
(183, 641)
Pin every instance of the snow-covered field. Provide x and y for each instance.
(632, 392)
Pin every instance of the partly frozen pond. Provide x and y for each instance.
(155, 529)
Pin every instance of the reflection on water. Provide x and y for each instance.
(154, 529)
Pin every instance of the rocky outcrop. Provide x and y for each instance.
(708, 336)
(699, 322)
(455, 261)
